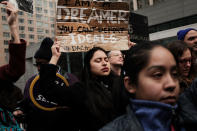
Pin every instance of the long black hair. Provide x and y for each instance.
(177, 48)
(99, 100)
(86, 75)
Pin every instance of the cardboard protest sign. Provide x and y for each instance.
(82, 24)
(25, 5)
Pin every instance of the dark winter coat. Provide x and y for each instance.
(88, 117)
(184, 118)
(40, 120)
(9, 93)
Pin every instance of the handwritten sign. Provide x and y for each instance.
(82, 25)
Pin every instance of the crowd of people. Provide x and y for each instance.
(151, 87)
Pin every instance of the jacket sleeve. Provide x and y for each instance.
(16, 67)
(68, 96)
(188, 105)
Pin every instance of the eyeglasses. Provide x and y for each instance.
(184, 61)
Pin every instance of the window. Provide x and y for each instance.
(40, 37)
(38, 16)
(47, 31)
(30, 29)
(45, 18)
(52, 12)
(52, 19)
(6, 34)
(39, 30)
(21, 13)
(46, 25)
(5, 27)
(5, 42)
(21, 20)
(51, 4)
(31, 37)
(38, 2)
(30, 21)
(3, 10)
(30, 15)
(4, 18)
(52, 25)
(22, 28)
(39, 9)
(45, 2)
(45, 11)
(22, 35)
(39, 24)
(53, 33)
(6, 50)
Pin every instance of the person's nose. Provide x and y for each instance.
(170, 83)
(104, 63)
(188, 64)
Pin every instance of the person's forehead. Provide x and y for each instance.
(99, 54)
(161, 54)
(191, 33)
(186, 53)
(116, 52)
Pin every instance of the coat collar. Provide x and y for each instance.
(153, 115)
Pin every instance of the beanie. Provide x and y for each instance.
(181, 33)
(44, 52)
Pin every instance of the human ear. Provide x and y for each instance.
(131, 88)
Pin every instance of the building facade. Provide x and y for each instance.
(32, 27)
(166, 17)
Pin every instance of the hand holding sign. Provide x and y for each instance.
(12, 12)
(12, 16)
(25, 5)
(55, 53)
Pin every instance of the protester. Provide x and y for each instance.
(189, 36)
(116, 61)
(10, 73)
(152, 80)
(183, 57)
(37, 119)
(96, 100)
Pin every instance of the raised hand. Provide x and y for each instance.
(12, 16)
(12, 12)
(55, 53)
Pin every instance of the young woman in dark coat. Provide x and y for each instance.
(155, 104)
(96, 100)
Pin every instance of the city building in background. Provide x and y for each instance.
(155, 20)
(166, 17)
(32, 27)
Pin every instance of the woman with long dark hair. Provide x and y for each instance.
(183, 56)
(96, 100)
(151, 78)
